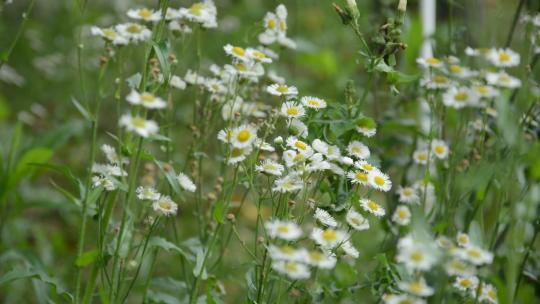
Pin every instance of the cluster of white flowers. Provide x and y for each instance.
(275, 25)
(107, 174)
(534, 34)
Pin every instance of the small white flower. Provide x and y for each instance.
(350, 250)
(204, 13)
(165, 206)
(325, 218)
(294, 270)
(402, 215)
(415, 256)
(144, 14)
(298, 128)
(177, 82)
(328, 238)
(502, 79)
(460, 71)
(485, 91)
(475, 255)
(139, 125)
(435, 82)
(258, 55)
(420, 157)
(291, 110)
(365, 166)
(488, 293)
(299, 146)
(407, 195)
(186, 183)
(134, 31)
(313, 102)
(356, 220)
(503, 58)
(430, 62)
(457, 267)
(112, 156)
(379, 180)
(282, 90)
(402, 299)
(283, 229)
(439, 148)
(463, 239)
(147, 193)
(418, 288)
(320, 259)
(236, 52)
(372, 207)
(366, 126)
(103, 181)
(243, 136)
(358, 177)
(109, 34)
(147, 100)
(465, 283)
(286, 253)
(239, 154)
(459, 97)
(270, 167)
(289, 183)
(358, 149)
(108, 170)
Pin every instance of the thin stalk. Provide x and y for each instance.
(514, 23)
(5, 56)
(522, 267)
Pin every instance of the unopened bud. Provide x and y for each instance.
(231, 218)
(402, 6)
(353, 8)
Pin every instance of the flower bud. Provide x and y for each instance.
(402, 6)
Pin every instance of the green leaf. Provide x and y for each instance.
(18, 274)
(24, 166)
(162, 243)
(170, 175)
(162, 53)
(218, 213)
(87, 258)
(199, 265)
(84, 112)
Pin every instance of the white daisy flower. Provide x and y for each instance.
(415, 256)
(457, 267)
(239, 154)
(147, 100)
(485, 91)
(402, 299)
(144, 14)
(349, 249)
(292, 158)
(294, 270)
(465, 283)
(420, 157)
(298, 128)
(110, 35)
(459, 97)
(270, 167)
(272, 75)
(299, 145)
(165, 206)
(503, 58)
(325, 218)
(334, 153)
(193, 78)
(429, 62)
(407, 195)
(172, 14)
(439, 148)
(475, 255)
(502, 79)
(225, 135)
(134, 31)
(328, 238)
(488, 293)
(418, 287)
(103, 181)
(313, 102)
(463, 239)
(460, 71)
(108, 170)
(177, 82)
(358, 149)
(444, 242)
(243, 136)
(147, 193)
(236, 52)
(264, 146)
(179, 26)
(435, 82)
(286, 253)
(258, 55)
(282, 90)
(402, 215)
(358, 177)
(366, 126)
(204, 13)
(283, 229)
(290, 183)
(379, 180)
(139, 125)
(290, 110)
(336, 169)
(372, 207)
(186, 183)
(365, 166)
(112, 156)
(356, 220)
(469, 51)
(321, 259)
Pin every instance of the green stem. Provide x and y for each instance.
(5, 56)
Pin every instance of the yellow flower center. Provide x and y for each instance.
(259, 55)
(145, 13)
(361, 176)
(300, 145)
(504, 57)
(422, 156)
(329, 235)
(243, 136)
(271, 24)
(407, 192)
(417, 256)
(461, 96)
(439, 79)
(291, 266)
(283, 229)
(283, 25)
(110, 33)
(315, 256)
(455, 69)
(473, 253)
(282, 88)
(138, 122)
(238, 51)
(196, 9)
(147, 98)
(287, 250)
(403, 214)
(133, 28)
(439, 149)
(373, 206)
(367, 167)
(416, 287)
(465, 283)
(293, 111)
(356, 221)
(492, 294)
(482, 89)
(380, 181)
(165, 205)
(236, 152)
(313, 102)
(433, 61)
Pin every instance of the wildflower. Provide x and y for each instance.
(475, 255)
(402, 215)
(485, 91)
(133, 31)
(108, 170)
(165, 206)
(294, 270)
(325, 218)
(276, 28)
(270, 167)
(147, 100)
(415, 255)
(372, 207)
(488, 293)
(239, 154)
(465, 283)
(358, 149)
(460, 71)
(366, 126)
(420, 157)
(463, 239)
(110, 35)
(364, 166)
(321, 259)
(356, 220)
(291, 110)
(503, 58)
(112, 156)
(358, 177)
(181, 27)
(243, 136)
(283, 229)
(139, 125)
(328, 238)
(144, 14)
(435, 82)
(444, 242)
(258, 55)
(299, 145)
(502, 79)
(236, 52)
(457, 267)
(286, 253)
(379, 180)
(313, 102)
(204, 13)
(402, 299)
(407, 195)
(459, 97)
(418, 288)
(439, 148)
(350, 250)
(147, 193)
(298, 128)
(289, 183)
(264, 146)
(430, 62)
(105, 182)
(185, 182)
(336, 169)
(282, 90)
